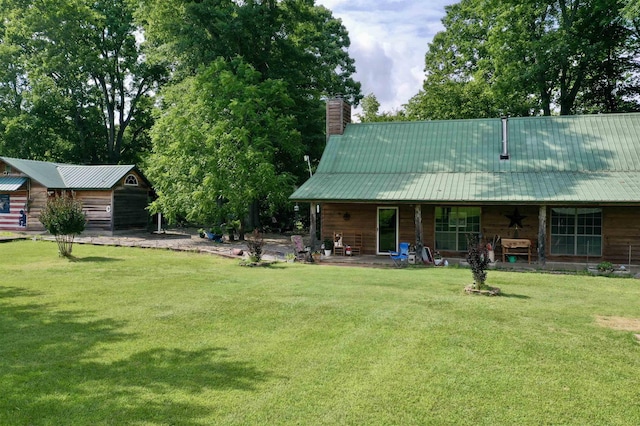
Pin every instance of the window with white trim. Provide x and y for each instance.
(452, 226)
(576, 231)
(131, 180)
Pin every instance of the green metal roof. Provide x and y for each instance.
(591, 158)
(67, 176)
(93, 177)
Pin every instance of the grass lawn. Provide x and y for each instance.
(154, 337)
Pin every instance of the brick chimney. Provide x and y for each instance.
(338, 116)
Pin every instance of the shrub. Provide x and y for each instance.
(63, 218)
(605, 267)
(478, 259)
(255, 243)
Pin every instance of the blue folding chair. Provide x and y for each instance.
(401, 257)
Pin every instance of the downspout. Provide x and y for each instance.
(112, 212)
(505, 138)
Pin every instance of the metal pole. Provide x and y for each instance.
(312, 212)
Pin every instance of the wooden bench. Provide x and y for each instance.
(341, 241)
(516, 247)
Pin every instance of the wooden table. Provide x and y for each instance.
(516, 247)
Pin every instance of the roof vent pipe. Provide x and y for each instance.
(505, 139)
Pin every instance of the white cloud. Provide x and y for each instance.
(389, 39)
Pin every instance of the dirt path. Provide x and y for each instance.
(276, 246)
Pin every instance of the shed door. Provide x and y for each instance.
(387, 229)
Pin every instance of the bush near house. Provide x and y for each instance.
(63, 218)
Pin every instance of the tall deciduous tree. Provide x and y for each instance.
(85, 58)
(293, 41)
(216, 144)
(293, 45)
(632, 9)
(371, 111)
(530, 57)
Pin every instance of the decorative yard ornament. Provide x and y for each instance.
(516, 219)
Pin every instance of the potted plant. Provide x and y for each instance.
(327, 246)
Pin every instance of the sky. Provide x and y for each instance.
(389, 39)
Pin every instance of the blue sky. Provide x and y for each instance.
(388, 41)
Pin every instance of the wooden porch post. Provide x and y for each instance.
(312, 226)
(542, 234)
(418, 227)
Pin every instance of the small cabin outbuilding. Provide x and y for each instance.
(114, 197)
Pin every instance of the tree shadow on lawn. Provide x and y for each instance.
(49, 375)
(515, 296)
(93, 259)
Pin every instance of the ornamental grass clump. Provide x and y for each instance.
(478, 259)
(63, 218)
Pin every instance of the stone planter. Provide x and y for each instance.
(491, 291)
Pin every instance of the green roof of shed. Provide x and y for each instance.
(68, 176)
(591, 158)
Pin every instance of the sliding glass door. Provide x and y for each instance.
(387, 229)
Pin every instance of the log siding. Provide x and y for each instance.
(123, 206)
(620, 228)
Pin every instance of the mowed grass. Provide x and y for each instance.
(154, 337)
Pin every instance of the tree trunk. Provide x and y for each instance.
(542, 234)
(418, 227)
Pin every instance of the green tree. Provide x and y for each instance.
(83, 62)
(632, 9)
(63, 217)
(370, 107)
(216, 143)
(370, 111)
(530, 57)
(293, 41)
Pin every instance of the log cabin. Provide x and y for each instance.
(114, 197)
(568, 184)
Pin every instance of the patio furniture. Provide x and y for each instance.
(213, 237)
(516, 247)
(356, 248)
(338, 244)
(401, 257)
(299, 250)
(347, 244)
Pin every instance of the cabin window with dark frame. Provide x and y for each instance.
(131, 180)
(452, 226)
(576, 231)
